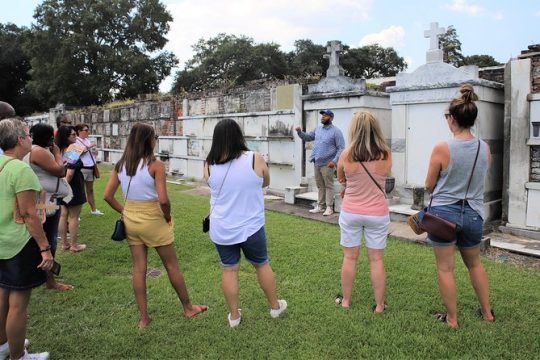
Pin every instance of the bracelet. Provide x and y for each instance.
(48, 248)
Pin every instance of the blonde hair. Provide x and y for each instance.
(366, 139)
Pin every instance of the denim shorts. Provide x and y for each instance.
(254, 249)
(469, 226)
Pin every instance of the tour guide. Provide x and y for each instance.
(329, 144)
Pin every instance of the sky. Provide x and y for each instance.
(498, 28)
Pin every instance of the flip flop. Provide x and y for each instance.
(202, 309)
(479, 312)
(443, 317)
(382, 312)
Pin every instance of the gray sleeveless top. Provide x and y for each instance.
(452, 182)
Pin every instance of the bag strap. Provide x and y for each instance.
(372, 178)
(125, 197)
(468, 183)
(4, 164)
(221, 186)
(89, 152)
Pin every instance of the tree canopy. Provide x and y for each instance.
(228, 60)
(451, 47)
(14, 70)
(89, 52)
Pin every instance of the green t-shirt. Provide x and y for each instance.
(17, 176)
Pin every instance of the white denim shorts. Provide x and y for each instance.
(373, 228)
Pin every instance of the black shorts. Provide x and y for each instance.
(21, 271)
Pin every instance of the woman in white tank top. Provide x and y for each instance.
(236, 177)
(147, 216)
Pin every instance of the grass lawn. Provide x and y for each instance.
(98, 319)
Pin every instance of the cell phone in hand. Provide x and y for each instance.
(56, 268)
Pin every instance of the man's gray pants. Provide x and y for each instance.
(324, 178)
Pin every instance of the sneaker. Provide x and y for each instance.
(35, 356)
(316, 210)
(234, 323)
(282, 307)
(328, 211)
(4, 349)
(414, 223)
(97, 212)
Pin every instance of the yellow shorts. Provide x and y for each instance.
(145, 224)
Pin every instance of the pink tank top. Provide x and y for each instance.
(362, 196)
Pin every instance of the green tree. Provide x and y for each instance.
(90, 52)
(228, 60)
(451, 47)
(480, 60)
(15, 68)
(372, 61)
(307, 59)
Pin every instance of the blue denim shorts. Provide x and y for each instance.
(254, 249)
(469, 227)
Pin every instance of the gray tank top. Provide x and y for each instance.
(452, 183)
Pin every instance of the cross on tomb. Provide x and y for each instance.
(433, 34)
(334, 48)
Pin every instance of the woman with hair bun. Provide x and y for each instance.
(455, 179)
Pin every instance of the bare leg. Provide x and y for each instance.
(348, 273)
(265, 275)
(168, 258)
(16, 321)
(139, 256)
(73, 222)
(376, 264)
(4, 306)
(89, 187)
(444, 256)
(230, 288)
(479, 279)
(62, 227)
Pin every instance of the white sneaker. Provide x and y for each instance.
(276, 312)
(35, 356)
(316, 210)
(4, 349)
(97, 212)
(328, 211)
(234, 323)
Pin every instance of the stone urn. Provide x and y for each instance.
(389, 184)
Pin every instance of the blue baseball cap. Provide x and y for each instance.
(327, 112)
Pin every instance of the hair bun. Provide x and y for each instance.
(467, 93)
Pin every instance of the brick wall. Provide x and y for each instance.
(492, 73)
(533, 52)
(535, 164)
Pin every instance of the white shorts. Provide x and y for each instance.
(374, 228)
(88, 174)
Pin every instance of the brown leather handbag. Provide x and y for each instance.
(439, 227)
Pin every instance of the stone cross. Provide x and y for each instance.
(434, 54)
(433, 35)
(334, 48)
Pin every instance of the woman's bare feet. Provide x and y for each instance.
(59, 286)
(66, 246)
(193, 310)
(78, 247)
(144, 322)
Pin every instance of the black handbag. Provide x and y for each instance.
(119, 232)
(206, 219)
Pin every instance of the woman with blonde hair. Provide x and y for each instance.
(362, 170)
(147, 216)
(456, 173)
